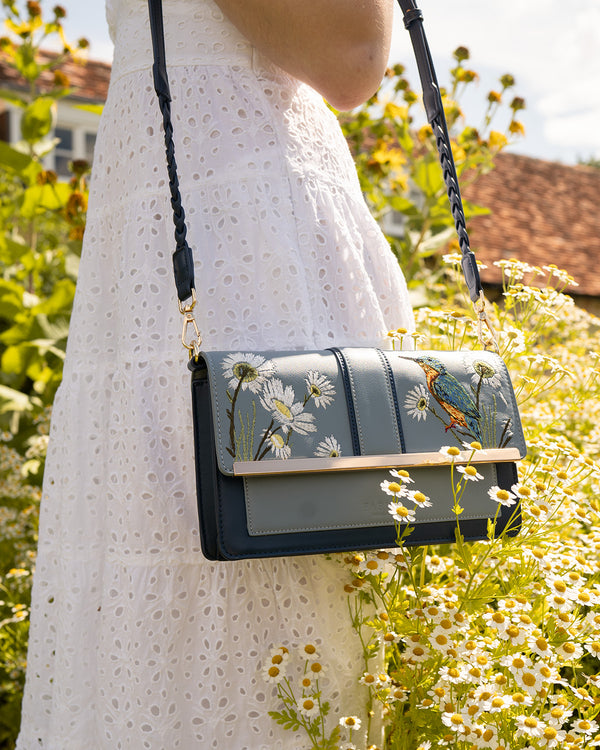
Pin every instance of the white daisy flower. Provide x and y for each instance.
(350, 722)
(249, 370)
(290, 414)
(450, 451)
(402, 475)
(308, 707)
(328, 448)
(276, 442)
(416, 402)
(395, 489)
(529, 726)
(402, 514)
(470, 473)
(503, 497)
(419, 499)
(273, 673)
(320, 388)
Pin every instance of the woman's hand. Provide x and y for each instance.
(339, 47)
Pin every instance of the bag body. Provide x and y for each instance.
(292, 448)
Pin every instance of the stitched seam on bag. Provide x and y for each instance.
(351, 411)
(394, 398)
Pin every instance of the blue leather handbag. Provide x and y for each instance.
(306, 452)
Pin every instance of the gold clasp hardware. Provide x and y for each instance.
(483, 322)
(193, 343)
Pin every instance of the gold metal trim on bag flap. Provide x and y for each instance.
(365, 463)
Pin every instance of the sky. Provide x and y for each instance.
(552, 47)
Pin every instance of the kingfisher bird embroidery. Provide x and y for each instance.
(453, 397)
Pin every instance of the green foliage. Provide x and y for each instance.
(398, 164)
(42, 222)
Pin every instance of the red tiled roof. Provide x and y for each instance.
(88, 79)
(541, 212)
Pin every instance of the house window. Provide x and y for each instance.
(63, 153)
(74, 143)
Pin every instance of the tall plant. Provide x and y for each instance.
(41, 227)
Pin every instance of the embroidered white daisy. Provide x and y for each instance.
(470, 473)
(278, 446)
(417, 402)
(328, 448)
(401, 513)
(501, 496)
(280, 401)
(250, 371)
(320, 388)
(484, 372)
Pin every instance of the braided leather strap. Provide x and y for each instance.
(432, 100)
(183, 259)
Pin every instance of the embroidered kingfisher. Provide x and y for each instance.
(453, 397)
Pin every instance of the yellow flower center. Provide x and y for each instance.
(471, 471)
(282, 408)
(531, 722)
(518, 698)
(310, 649)
(498, 617)
(394, 487)
(456, 719)
(528, 679)
(273, 671)
(308, 704)
(502, 495)
(549, 733)
(316, 667)
(277, 659)
(277, 440)
(453, 451)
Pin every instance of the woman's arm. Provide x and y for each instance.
(339, 47)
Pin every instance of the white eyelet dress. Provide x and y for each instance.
(137, 642)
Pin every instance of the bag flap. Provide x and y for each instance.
(298, 411)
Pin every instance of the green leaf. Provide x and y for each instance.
(60, 301)
(13, 97)
(38, 119)
(40, 198)
(16, 359)
(428, 176)
(12, 159)
(95, 109)
(286, 719)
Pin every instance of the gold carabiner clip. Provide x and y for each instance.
(484, 323)
(191, 343)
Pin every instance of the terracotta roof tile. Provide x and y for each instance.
(88, 79)
(542, 213)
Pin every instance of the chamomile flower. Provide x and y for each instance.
(529, 726)
(502, 496)
(350, 722)
(450, 451)
(419, 499)
(401, 513)
(584, 726)
(395, 489)
(273, 673)
(436, 564)
(416, 649)
(402, 476)
(308, 707)
(470, 473)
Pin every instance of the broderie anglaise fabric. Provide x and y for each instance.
(136, 641)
